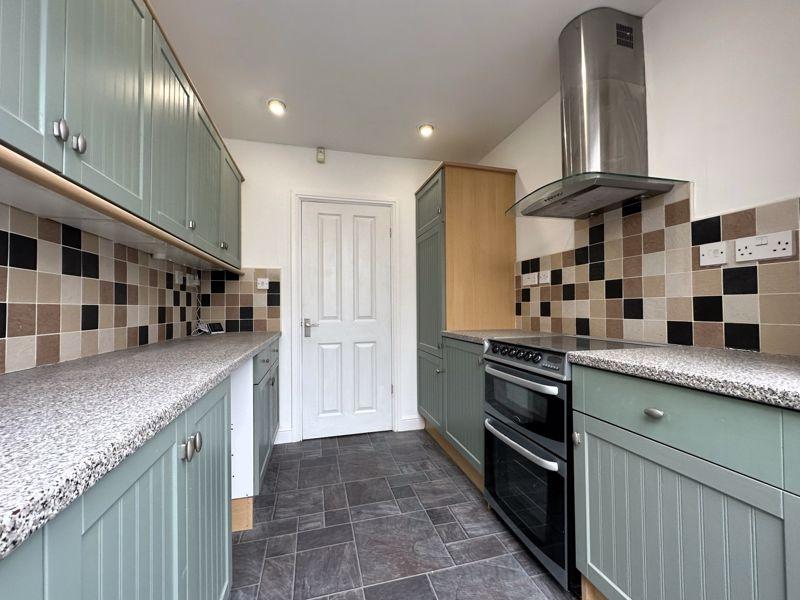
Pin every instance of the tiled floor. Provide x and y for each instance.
(383, 516)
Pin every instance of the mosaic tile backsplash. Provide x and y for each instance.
(635, 274)
(66, 294)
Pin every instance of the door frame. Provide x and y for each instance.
(294, 433)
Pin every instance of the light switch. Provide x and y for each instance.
(262, 283)
(713, 254)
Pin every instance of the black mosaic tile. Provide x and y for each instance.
(679, 332)
(707, 308)
(120, 293)
(232, 325)
(556, 277)
(2, 319)
(631, 207)
(246, 325)
(597, 234)
(535, 265)
(70, 236)
(205, 299)
(90, 265)
(217, 287)
(582, 326)
(597, 271)
(71, 261)
(544, 308)
(614, 288)
(143, 335)
(568, 291)
(518, 309)
(526, 294)
(597, 253)
(162, 314)
(22, 252)
(525, 267)
(3, 248)
(633, 308)
(706, 231)
(169, 333)
(742, 336)
(245, 312)
(740, 280)
(582, 255)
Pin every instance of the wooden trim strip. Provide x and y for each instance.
(191, 83)
(462, 463)
(36, 173)
(446, 163)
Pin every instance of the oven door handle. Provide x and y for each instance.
(550, 390)
(548, 465)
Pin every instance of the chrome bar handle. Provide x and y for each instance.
(549, 390)
(653, 413)
(548, 465)
(61, 130)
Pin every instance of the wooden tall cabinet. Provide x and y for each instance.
(466, 248)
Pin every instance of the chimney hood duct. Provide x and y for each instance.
(603, 120)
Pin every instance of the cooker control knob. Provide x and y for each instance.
(512, 353)
(537, 357)
(528, 356)
(504, 350)
(495, 349)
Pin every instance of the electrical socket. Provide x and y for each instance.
(544, 277)
(529, 279)
(713, 254)
(769, 245)
(262, 283)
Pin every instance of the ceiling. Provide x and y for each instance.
(361, 75)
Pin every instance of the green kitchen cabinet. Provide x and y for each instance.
(265, 423)
(32, 40)
(107, 103)
(155, 527)
(205, 164)
(463, 399)
(208, 496)
(173, 103)
(430, 203)
(430, 388)
(652, 521)
(230, 212)
(430, 290)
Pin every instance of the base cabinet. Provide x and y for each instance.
(463, 399)
(156, 527)
(654, 522)
(430, 387)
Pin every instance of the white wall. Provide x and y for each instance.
(534, 150)
(723, 107)
(273, 172)
(723, 99)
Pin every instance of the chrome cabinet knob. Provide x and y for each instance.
(188, 449)
(265, 360)
(79, 143)
(653, 413)
(223, 245)
(191, 224)
(61, 130)
(198, 441)
(576, 438)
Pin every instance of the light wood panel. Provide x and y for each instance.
(588, 591)
(447, 163)
(462, 463)
(480, 248)
(241, 514)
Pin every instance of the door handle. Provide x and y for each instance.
(549, 465)
(79, 143)
(549, 390)
(307, 325)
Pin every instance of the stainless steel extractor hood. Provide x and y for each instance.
(603, 120)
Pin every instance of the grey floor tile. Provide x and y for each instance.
(327, 536)
(337, 517)
(440, 515)
(476, 549)
(409, 504)
(264, 501)
(319, 461)
(399, 546)
(280, 545)
(412, 588)
(294, 504)
(450, 532)
(325, 571)
(269, 529)
(277, 577)
(366, 465)
(354, 440)
(438, 493)
(405, 479)
(287, 480)
(498, 578)
(437, 474)
(245, 593)
(317, 476)
(510, 541)
(263, 514)
(403, 491)
(409, 454)
(529, 563)
(335, 497)
(477, 520)
(551, 589)
(309, 522)
(424, 465)
(348, 595)
(247, 560)
(367, 491)
(377, 509)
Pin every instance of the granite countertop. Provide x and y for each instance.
(479, 335)
(97, 411)
(766, 378)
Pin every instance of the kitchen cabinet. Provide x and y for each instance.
(107, 100)
(159, 522)
(32, 40)
(429, 203)
(230, 215)
(430, 387)
(173, 106)
(463, 399)
(430, 290)
(265, 410)
(204, 176)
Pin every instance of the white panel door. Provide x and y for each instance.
(346, 295)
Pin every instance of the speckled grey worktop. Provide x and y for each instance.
(478, 335)
(766, 378)
(95, 412)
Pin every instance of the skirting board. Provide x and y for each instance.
(241, 514)
(410, 424)
(455, 455)
(588, 591)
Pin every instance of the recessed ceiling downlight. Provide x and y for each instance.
(425, 130)
(276, 107)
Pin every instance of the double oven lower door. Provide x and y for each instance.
(528, 478)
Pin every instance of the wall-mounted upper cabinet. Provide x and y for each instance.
(32, 78)
(92, 89)
(173, 106)
(107, 104)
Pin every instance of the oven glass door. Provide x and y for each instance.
(529, 485)
(534, 403)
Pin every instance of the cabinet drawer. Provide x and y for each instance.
(263, 361)
(706, 425)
